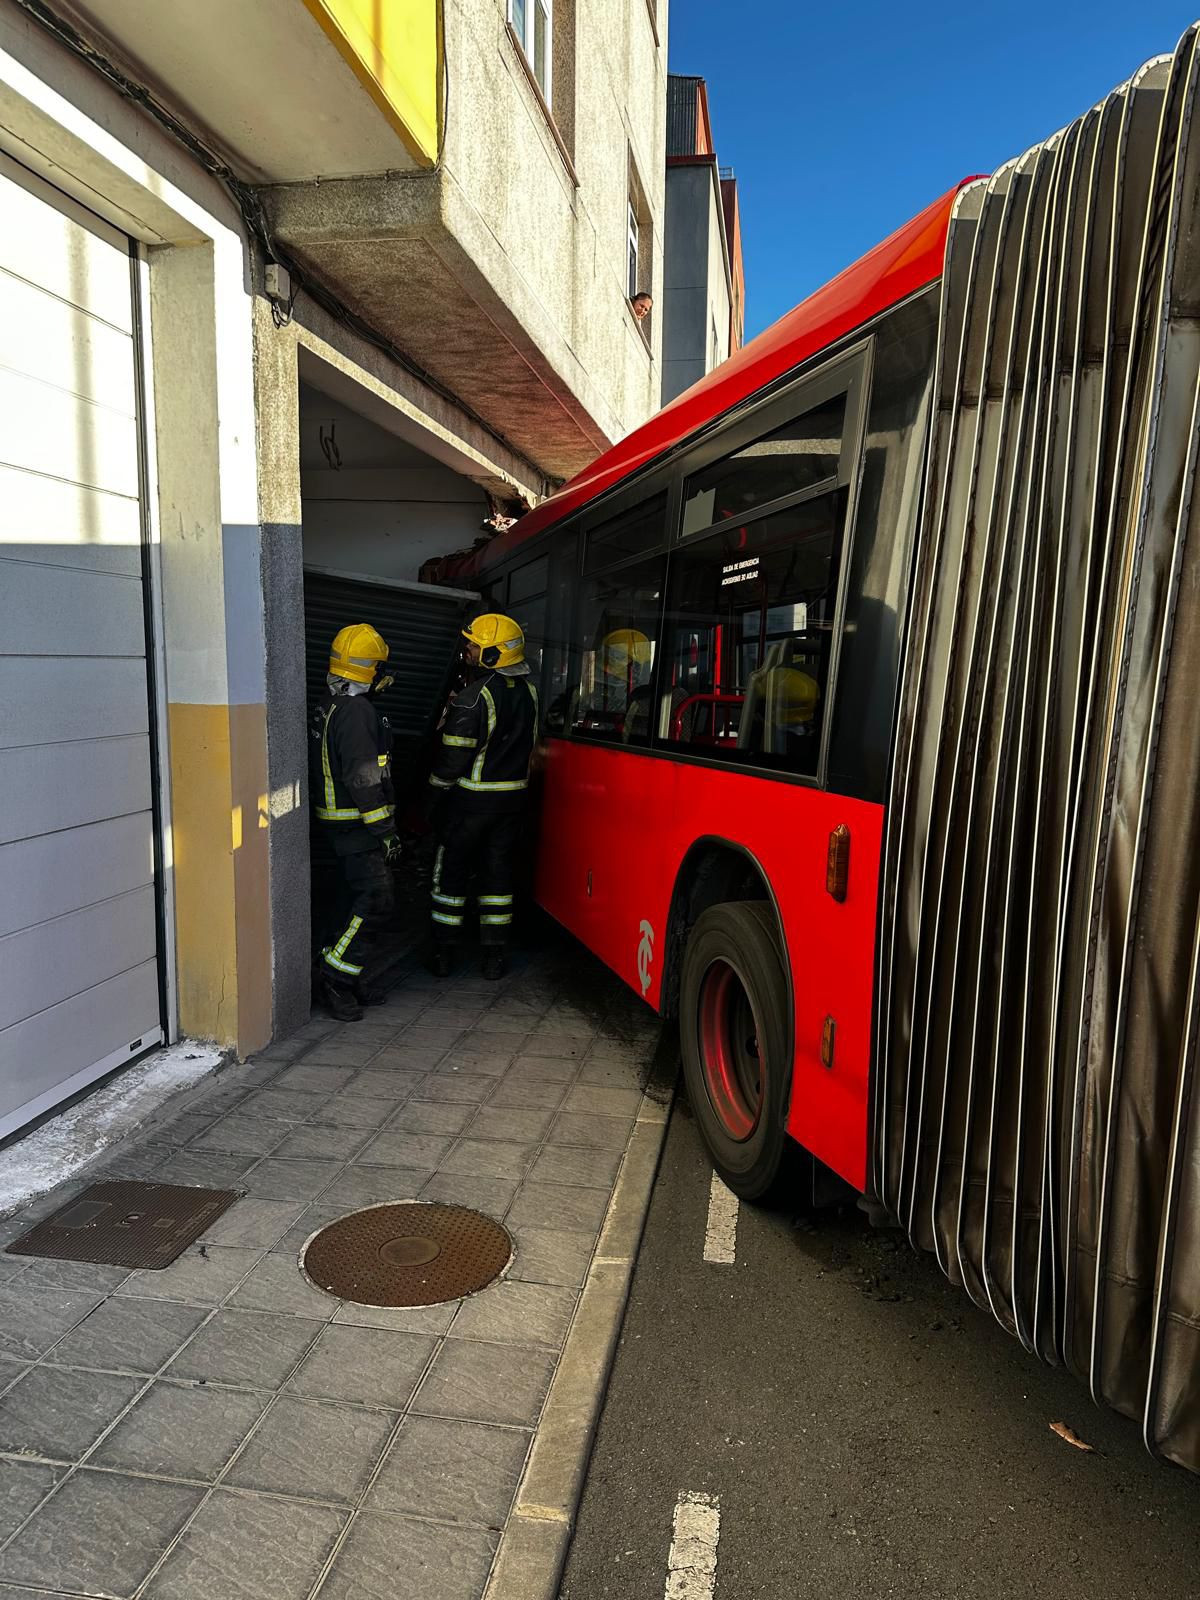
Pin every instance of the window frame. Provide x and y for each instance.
(633, 247)
(528, 42)
(848, 370)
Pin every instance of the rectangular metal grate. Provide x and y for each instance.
(126, 1224)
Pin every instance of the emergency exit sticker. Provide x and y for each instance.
(739, 571)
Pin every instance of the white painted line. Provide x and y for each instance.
(692, 1564)
(720, 1235)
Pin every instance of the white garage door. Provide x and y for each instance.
(79, 983)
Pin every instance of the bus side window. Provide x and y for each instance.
(750, 633)
(617, 626)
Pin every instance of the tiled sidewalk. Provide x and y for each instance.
(221, 1430)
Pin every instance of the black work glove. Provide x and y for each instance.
(392, 848)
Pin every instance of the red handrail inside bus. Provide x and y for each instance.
(714, 700)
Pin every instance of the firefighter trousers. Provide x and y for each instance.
(481, 844)
(353, 957)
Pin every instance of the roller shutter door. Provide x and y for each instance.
(79, 941)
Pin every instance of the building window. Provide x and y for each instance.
(631, 253)
(532, 22)
(714, 359)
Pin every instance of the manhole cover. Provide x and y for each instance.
(407, 1255)
(126, 1224)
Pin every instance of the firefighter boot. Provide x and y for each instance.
(339, 1001)
(495, 963)
(370, 994)
(444, 959)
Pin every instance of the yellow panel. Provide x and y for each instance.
(394, 47)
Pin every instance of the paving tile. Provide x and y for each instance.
(413, 1150)
(428, 1035)
(571, 1164)
(276, 1284)
(313, 1079)
(198, 1170)
(548, 1205)
(532, 1094)
(245, 1547)
(547, 1069)
(507, 1024)
(291, 1180)
(457, 1088)
(452, 1471)
(343, 1052)
(314, 1141)
(545, 1255)
(612, 1074)
(586, 1098)
(354, 1111)
(314, 1449)
(486, 1063)
(201, 1276)
(183, 1128)
(391, 1085)
(254, 1223)
(128, 1335)
(489, 1158)
(373, 1186)
(522, 1126)
(220, 1098)
(438, 1563)
(492, 1196)
(257, 1348)
(283, 1105)
(365, 1366)
(399, 1319)
(486, 1383)
(32, 1319)
(282, 1050)
(80, 1277)
(431, 1116)
(580, 1128)
(58, 1413)
(311, 1220)
(487, 1040)
(23, 1485)
(561, 1047)
(100, 1534)
(238, 1135)
(517, 1313)
(181, 1431)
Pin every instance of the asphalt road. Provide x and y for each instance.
(866, 1431)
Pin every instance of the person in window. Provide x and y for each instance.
(781, 716)
(641, 305)
(623, 656)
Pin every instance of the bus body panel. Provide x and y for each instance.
(616, 828)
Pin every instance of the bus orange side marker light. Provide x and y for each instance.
(828, 1036)
(837, 866)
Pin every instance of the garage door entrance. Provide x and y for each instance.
(80, 941)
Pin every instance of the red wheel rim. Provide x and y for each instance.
(729, 1053)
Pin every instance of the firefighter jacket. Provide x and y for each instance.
(350, 748)
(487, 740)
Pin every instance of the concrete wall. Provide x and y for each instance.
(373, 503)
(696, 291)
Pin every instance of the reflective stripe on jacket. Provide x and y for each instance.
(351, 764)
(488, 737)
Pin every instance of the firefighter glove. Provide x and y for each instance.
(392, 848)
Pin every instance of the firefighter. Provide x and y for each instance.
(351, 785)
(478, 791)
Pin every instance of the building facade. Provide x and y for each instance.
(704, 286)
(307, 286)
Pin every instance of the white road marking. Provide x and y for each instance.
(692, 1564)
(720, 1235)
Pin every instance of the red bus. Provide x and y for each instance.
(870, 668)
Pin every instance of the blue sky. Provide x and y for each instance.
(843, 122)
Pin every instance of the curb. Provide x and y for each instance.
(533, 1548)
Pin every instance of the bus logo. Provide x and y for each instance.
(645, 956)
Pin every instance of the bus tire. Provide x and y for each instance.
(736, 1036)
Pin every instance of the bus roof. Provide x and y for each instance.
(898, 267)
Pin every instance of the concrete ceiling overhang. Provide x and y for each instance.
(262, 83)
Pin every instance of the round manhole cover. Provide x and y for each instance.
(407, 1255)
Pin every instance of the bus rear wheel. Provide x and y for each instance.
(735, 1033)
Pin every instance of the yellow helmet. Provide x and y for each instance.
(795, 695)
(621, 649)
(356, 653)
(501, 642)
